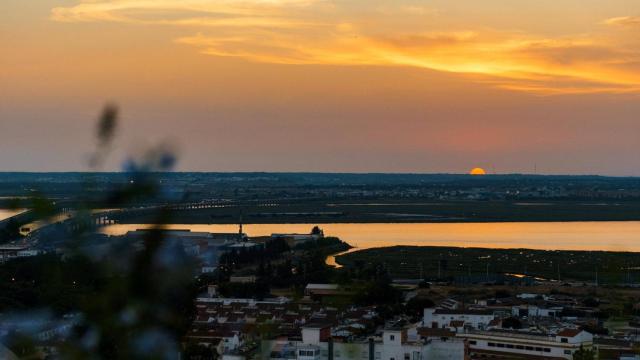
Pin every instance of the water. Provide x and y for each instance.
(7, 213)
(603, 235)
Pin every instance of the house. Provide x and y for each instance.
(393, 344)
(296, 239)
(251, 279)
(518, 344)
(445, 318)
(527, 310)
(319, 290)
(450, 304)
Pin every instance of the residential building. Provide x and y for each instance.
(515, 344)
(445, 318)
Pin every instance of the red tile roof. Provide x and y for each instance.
(569, 332)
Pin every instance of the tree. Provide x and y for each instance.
(584, 354)
(194, 351)
(416, 305)
(379, 292)
(511, 323)
(502, 293)
(10, 231)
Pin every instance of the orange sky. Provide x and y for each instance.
(320, 85)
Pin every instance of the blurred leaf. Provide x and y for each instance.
(107, 124)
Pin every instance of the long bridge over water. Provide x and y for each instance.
(70, 219)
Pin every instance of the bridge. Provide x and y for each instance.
(82, 220)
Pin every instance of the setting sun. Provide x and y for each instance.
(477, 171)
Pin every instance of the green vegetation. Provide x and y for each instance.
(459, 263)
(584, 354)
(47, 281)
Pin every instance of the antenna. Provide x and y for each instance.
(487, 271)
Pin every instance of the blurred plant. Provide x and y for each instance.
(105, 133)
(128, 299)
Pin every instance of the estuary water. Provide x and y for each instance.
(582, 235)
(7, 213)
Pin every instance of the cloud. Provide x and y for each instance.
(321, 32)
(624, 21)
(544, 66)
(227, 13)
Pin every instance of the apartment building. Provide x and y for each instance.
(515, 345)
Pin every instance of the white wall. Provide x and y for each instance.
(443, 320)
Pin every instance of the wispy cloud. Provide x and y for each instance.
(321, 32)
(271, 13)
(545, 66)
(623, 21)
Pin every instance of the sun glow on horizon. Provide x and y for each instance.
(477, 171)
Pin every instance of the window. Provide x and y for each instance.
(509, 346)
(491, 344)
(564, 340)
(519, 347)
(500, 345)
(530, 348)
(407, 356)
(538, 349)
(472, 342)
(567, 352)
(547, 350)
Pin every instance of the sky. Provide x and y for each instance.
(325, 85)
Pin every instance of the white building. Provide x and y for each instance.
(535, 311)
(393, 345)
(443, 318)
(8, 252)
(530, 296)
(504, 343)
